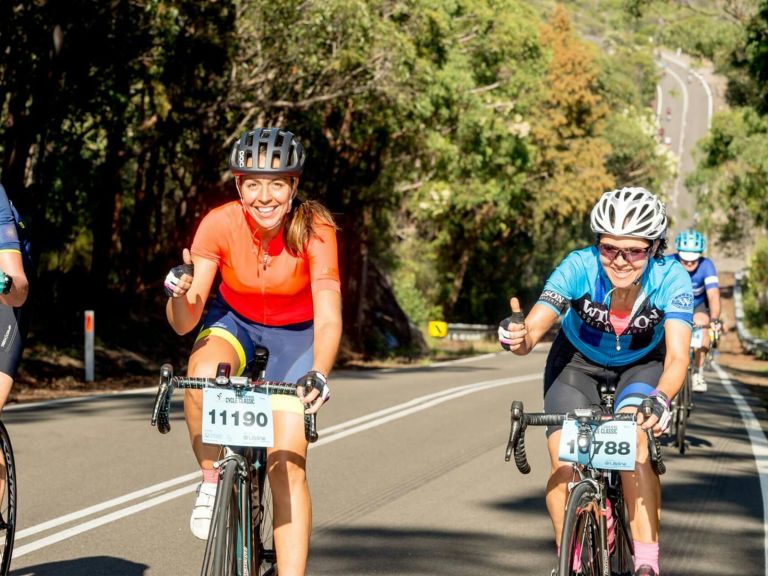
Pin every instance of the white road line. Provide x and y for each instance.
(681, 143)
(95, 523)
(707, 88)
(341, 430)
(104, 505)
(425, 402)
(759, 448)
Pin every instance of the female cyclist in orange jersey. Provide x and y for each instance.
(280, 289)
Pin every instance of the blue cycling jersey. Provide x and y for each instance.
(581, 281)
(702, 279)
(12, 230)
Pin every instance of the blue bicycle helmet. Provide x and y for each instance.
(690, 244)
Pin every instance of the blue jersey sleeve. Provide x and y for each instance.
(559, 288)
(9, 236)
(676, 296)
(709, 274)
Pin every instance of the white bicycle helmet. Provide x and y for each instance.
(629, 212)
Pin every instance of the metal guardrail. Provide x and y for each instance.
(756, 346)
(472, 332)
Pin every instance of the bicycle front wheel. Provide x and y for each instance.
(8, 503)
(581, 545)
(221, 558)
(261, 505)
(683, 407)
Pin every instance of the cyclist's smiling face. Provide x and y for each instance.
(623, 258)
(267, 200)
(690, 265)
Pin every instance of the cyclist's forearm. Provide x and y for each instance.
(713, 295)
(327, 339)
(182, 314)
(673, 376)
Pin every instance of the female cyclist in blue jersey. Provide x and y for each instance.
(690, 246)
(277, 258)
(628, 323)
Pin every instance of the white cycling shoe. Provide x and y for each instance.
(698, 384)
(200, 521)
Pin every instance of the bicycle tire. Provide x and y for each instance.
(220, 550)
(581, 536)
(8, 502)
(264, 554)
(683, 399)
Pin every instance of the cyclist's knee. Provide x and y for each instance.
(561, 473)
(286, 468)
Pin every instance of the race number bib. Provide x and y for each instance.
(237, 418)
(613, 445)
(697, 336)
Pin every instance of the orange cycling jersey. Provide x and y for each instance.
(265, 283)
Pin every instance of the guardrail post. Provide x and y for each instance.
(89, 345)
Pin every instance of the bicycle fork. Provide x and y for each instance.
(242, 539)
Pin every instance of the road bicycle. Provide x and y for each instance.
(598, 444)
(237, 415)
(682, 403)
(8, 501)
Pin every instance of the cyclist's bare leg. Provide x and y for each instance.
(206, 356)
(560, 474)
(6, 383)
(292, 506)
(642, 493)
(701, 319)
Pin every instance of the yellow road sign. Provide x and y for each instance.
(438, 329)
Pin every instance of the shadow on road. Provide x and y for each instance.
(374, 550)
(93, 566)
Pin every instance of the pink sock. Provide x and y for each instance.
(211, 476)
(609, 525)
(647, 554)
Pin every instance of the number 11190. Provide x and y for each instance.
(237, 418)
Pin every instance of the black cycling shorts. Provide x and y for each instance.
(12, 336)
(573, 381)
(702, 307)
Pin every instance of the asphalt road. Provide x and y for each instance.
(408, 478)
(692, 95)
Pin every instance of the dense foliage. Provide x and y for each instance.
(459, 142)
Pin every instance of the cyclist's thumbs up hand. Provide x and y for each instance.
(512, 330)
(179, 279)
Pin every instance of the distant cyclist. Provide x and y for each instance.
(278, 261)
(627, 322)
(690, 246)
(14, 287)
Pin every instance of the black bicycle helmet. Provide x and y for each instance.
(268, 152)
